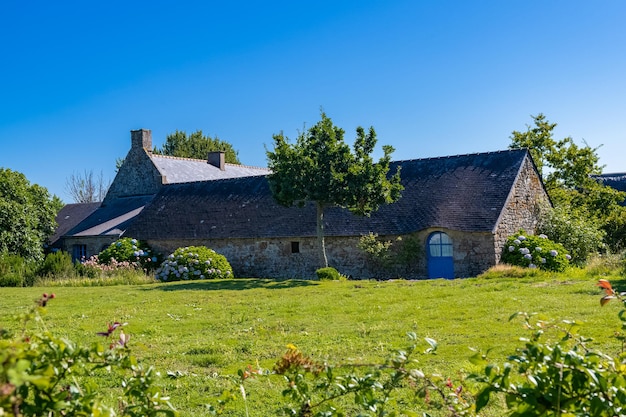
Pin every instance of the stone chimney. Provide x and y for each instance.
(217, 159)
(141, 139)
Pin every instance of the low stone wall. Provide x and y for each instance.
(273, 258)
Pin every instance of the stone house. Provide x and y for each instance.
(457, 211)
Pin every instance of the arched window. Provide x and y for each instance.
(439, 244)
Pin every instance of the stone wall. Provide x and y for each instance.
(273, 258)
(523, 209)
(94, 244)
(137, 175)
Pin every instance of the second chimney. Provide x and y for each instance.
(217, 159)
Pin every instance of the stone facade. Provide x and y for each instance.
(262, 258)
(138, 175)
(523, 208)
(86, 246)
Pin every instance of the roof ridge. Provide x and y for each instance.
(180, 158)
(246, 166)
(177, 157)
(610, 174)
(460, 155)
(209, 181)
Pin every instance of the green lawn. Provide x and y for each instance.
(204, 331)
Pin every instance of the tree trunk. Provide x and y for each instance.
(320, 234)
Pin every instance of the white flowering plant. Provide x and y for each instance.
(194, 262)
(131, 251)
(532, 251)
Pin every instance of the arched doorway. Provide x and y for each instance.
(440, 259)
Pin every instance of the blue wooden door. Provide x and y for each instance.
(440, 259)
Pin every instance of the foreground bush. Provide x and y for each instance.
(535, 252)
(194, 262)
(563, 378)
(41, 374)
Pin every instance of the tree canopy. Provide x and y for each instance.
(196, 146)
(562, 163)
(27, 215)
(568, 170)
(321, 168)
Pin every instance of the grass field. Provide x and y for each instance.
(202, 332)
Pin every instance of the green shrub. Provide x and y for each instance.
(615, 230)
(57, 264)
(328, 274)
(194, 262)
(15, 271)
(11, 279)
(535, 252)
(378, 252)
(129, 250)
(575, 231)
(391, 259)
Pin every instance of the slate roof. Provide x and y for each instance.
(617, 180)
(70, 216)
(110, 219)
(177, 170)
(464, 192)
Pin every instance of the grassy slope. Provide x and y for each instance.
(209, 330)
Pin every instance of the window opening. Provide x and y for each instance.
(295, 247)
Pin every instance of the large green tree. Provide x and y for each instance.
(321, 168)
(567, 170)
(197, 146)
(27, 215)
(562, 164)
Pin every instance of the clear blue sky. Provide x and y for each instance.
(434, 78)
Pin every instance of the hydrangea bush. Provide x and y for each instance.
(194, 262)
(131, 251)
(535, 252)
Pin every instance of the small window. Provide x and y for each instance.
(79, 252)
(295, 247)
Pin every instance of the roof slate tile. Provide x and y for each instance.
(463, 192)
